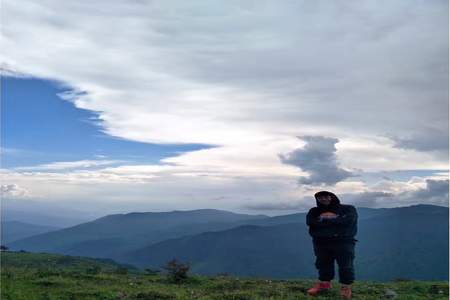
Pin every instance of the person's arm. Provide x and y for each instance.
(315, 221)
(350, 216)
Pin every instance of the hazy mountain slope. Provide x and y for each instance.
(15, 230)
(363, 214)
(247, 250)
(114, 234)
(410, 242)
(407, 242)
(43, 216)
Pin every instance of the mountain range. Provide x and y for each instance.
(16, 230)
(404, 242)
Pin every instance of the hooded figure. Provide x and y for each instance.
(341, 228)
(333, 227)
(334, 204)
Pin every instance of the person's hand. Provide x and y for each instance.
(328, 215)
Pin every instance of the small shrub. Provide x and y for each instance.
(297, 288)
(94, 270)
(46, 282)
(176, 271)
(47, 272)
(65, 260)
(436, 289)
(234, 296)
(121, 271)
(75, 274)
(150, 271)
(154, 295)
(401, 279)
(7, 274)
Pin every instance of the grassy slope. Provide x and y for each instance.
(47, 276)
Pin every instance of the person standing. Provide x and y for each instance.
(333, 227)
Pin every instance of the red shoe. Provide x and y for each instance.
(346, 292)
(320, 287)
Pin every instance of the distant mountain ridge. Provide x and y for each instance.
(407, 242)
(217, 241)
(43, 218)
(15, 230)
(112, 235)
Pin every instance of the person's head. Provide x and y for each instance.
(324, 199)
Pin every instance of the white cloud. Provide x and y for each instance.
(13, 191)
(429, 191)
(377, 153)
(246, 76)
(168, 187)
(64, 165)
(225, 72)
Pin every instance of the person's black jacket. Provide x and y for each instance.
(342, 228)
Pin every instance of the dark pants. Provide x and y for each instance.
(341, 251)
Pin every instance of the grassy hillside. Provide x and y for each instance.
(57, 263)
(46, 276)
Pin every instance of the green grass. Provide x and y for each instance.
(30, 276)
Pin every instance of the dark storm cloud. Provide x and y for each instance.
(318, 158)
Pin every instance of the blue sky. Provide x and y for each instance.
(38, 127)
(245, 106)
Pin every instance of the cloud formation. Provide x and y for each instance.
(248, 77)
(429, 139)
(433, 192)
(65, 165)
(318, 158)
(13, 191)
(224, 72)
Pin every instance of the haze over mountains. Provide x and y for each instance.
(44, 214)
(407, 242)
(16, 230)
(113, 235)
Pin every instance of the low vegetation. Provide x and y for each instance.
(31, 276)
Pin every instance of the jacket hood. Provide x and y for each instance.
(334, 200)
